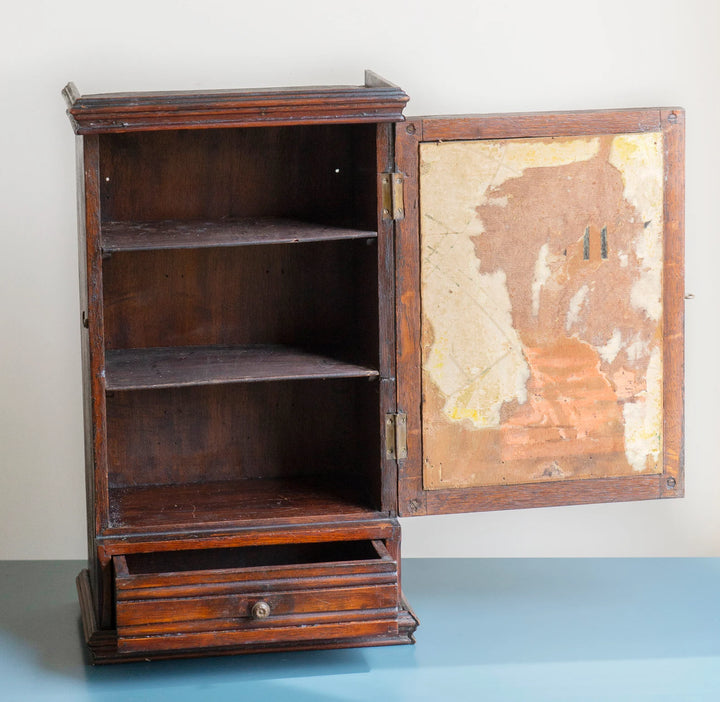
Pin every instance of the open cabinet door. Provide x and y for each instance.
(540, 309)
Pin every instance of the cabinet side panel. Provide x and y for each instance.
(90, 265)
(85, 351)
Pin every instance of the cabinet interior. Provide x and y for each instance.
(240, 315)
(324, 174)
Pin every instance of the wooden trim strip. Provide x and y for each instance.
(286, 635)
(175, 585)
(222, 528)
(386, 311)
(224, 624)
(126, 112)
(539, 124)
(265, 535)
(411, 497)
(673, 303)
(551, 494)
(218, 100)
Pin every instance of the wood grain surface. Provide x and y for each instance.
(123, 112)
(230, 502)
(181, 234)
(134, 369)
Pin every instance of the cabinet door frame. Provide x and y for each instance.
(413, 499)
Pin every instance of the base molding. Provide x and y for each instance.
(103, 643)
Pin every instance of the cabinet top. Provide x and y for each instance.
(376, 101)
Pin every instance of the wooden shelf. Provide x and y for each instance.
(174, 234)
(137, 369)
(234, 502)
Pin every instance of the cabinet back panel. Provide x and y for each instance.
(256, 430)
(313, 295)
(323, 173)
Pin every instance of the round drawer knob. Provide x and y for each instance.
(260, 610)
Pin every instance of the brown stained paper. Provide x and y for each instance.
(542, 309)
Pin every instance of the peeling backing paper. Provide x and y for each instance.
(541, 277)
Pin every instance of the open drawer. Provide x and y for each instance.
(232, 597)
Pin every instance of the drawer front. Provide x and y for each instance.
(186, 609)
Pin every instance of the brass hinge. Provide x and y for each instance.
(396, 435)
(393, 204)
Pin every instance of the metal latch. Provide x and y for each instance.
(393, 206)
(396, 435)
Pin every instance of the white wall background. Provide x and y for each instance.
(453, 56)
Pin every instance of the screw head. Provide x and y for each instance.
(672, 117)
(410, 129)
(671, 483)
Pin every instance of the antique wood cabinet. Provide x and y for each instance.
(305, 315)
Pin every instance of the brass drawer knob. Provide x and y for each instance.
(260, 610)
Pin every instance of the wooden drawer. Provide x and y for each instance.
(184, 600)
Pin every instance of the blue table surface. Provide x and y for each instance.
(491, 629)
